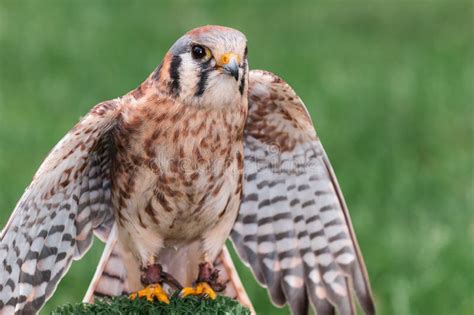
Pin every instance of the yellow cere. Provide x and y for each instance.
(228, 56)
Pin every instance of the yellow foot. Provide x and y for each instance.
(202, 288)
(151, 291)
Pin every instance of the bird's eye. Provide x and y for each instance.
(198, 52)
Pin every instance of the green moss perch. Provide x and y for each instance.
(189, 305)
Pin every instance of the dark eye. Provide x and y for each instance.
(198, 52)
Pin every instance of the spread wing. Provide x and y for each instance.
(293, 228)
(54, 220)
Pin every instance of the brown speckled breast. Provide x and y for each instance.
(177, 167)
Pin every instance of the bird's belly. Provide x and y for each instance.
(175, 180)
(198, 207)
(178, 205)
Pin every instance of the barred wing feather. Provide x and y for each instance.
(54, 221)
(293, 227)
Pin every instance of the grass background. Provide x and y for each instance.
(389, 85)
(191, 305)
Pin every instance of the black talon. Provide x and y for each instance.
(208, 274)
(153, 274)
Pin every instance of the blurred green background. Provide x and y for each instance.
(389, 85)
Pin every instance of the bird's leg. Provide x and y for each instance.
(207, 282)
(153, 278)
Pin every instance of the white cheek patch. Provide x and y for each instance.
(221, 90)
(189, 74)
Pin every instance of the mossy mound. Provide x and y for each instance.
(190, 305)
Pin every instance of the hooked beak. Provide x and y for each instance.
(230, 64)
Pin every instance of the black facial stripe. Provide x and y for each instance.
(174, 74)
(201, 87)
(242, 80)
(204, 75)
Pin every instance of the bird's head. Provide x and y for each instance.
(207, 66)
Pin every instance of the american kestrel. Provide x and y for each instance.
(201, 151)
